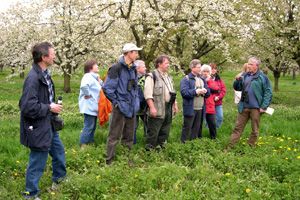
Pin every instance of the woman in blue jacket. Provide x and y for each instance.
(88, 101)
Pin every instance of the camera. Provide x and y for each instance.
(172, 97)
(245, 97)
(131, 85)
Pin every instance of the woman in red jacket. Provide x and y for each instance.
(219, 94)
(210, 110)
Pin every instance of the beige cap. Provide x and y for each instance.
(130, 47)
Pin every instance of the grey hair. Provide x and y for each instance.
(255, 59)
(194, 63)
(206, 67)
(139, 63)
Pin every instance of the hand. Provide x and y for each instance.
(87, 97)
(208, 77)
(55, 108)
(217, 98)
(203, 91)
(175, 108)
(262, 110)
(153, 112)
(198, 91)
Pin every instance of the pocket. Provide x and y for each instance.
(38, 135)
(158, 90)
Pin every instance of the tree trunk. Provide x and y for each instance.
(1, 67)
(276, 75)
(67, 81)
(22, 72)
(294, 74)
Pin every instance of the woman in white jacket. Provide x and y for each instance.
(88, 101)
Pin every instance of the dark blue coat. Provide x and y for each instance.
(121, 88)
(35, 116)
(188, 93)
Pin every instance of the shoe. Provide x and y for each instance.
(27, 195)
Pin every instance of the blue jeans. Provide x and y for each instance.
(37, 164)
(88, 131)
(219, 116)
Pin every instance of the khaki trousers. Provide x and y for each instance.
(240, 124)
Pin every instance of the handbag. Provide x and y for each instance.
(57, 123)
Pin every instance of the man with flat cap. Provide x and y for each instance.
(121, 89)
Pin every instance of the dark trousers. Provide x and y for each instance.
(158, 129)
(191, 126)
(119, 126)
(143, 118)
(211, 122)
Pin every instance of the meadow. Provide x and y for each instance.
(199, 169)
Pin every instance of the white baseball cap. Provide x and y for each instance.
(130, 47)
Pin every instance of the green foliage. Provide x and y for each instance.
(199, 169)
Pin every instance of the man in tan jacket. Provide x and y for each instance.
(161, 99)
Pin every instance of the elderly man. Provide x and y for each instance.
(256, 97)
(121, 89)
(193, 90)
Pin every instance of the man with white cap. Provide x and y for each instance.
(121, 89)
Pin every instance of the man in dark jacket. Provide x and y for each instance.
(121, 89)
(256, 97)
(193, 90)
(36, 132)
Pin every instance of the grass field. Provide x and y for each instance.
(196, 170)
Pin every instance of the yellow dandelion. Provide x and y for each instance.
(295, 150)
(280, 147)
(98, 177)
(88, 154)
(227, 174)
(281, 140)
(286, 158)
(17, 161)
(289, 138)
(248, 190)
(52, 193)
(298, 157)
(15, 174)
(98, 161)
(274, 150)
(136, 175)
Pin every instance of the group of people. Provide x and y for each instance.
(133, 94)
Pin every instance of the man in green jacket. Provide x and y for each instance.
(256, 97)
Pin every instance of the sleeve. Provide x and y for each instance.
(110, 85)
(185, 91)
(238, 85)
(148, 88)
(30, 105)
(267, 93)
(207, 94)
(222, 89)
(85, 84)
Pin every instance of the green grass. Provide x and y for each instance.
(197, 170)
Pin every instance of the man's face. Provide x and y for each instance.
(196, 70)
(164, 66)
(133, 55)
(49, 60)
(252, 66)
